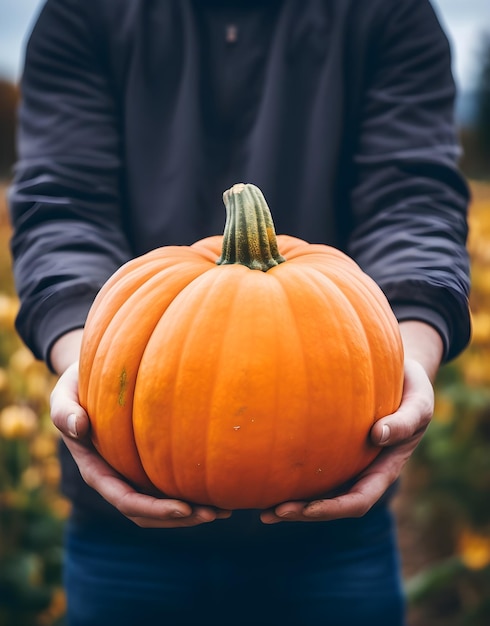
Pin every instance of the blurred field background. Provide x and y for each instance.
(443, 505)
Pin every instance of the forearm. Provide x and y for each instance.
(66, 350)
(423, 344)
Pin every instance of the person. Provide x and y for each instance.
(135, 117)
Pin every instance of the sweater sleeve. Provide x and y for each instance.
(409, 199)
(65, 199)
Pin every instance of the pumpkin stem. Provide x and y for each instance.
(249, 237)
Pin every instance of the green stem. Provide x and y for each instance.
(249, 237)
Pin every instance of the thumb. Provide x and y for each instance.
(415, 411)
(66, 413)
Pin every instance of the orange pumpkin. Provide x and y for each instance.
(245, 380)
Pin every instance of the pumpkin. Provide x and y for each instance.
(243, 370)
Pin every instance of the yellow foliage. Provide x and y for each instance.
(55, 610)
(475, 363)
(22, 360)
(481, 327)
(4, 380)
(476, 368)
(443, 409)
(17, 422)
(32, 478)
(43, 446)
(51, 472)
(8, 310)
(474, 549)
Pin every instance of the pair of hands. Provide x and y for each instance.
(398, 435)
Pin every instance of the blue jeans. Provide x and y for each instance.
(343, 573)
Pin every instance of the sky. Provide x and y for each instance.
(464, 21)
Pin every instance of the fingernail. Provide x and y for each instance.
(385, 434)
(177, 513)
(71, 423)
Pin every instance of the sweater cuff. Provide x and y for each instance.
(413, 312)
(69, 315)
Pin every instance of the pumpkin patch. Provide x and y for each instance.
(242, 371)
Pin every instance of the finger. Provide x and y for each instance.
(360, 498)
(371, 486)
(286, 512)
(355, 503)
(143, 509)
(414, 413)
(199, 515)
(66, 413)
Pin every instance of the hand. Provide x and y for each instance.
(144, 510)
(399, 434)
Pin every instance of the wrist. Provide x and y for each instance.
(66, 350)
(422, 343)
